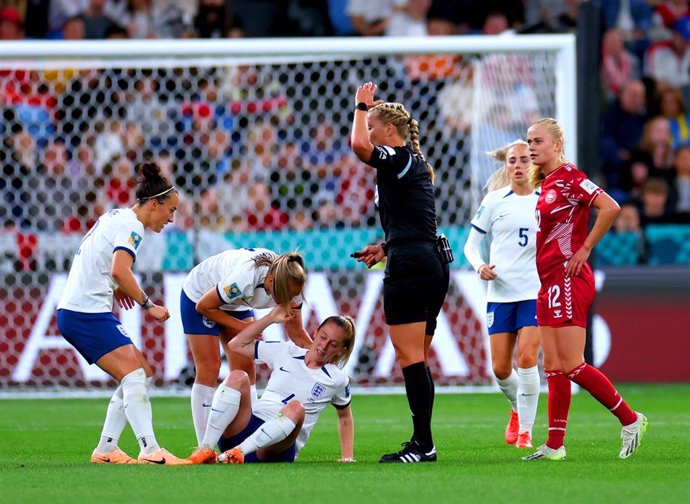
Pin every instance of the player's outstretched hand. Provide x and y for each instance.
(370, 255)
(160, 313)
(486, 272)
(365, 93)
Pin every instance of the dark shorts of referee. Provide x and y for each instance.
(415, 284)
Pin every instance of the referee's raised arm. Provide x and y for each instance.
(364, 100)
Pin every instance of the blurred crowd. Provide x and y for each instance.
(66, 157)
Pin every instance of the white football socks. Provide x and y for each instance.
(271, 432)
(223, 410)
(115, 421)
(202, 395)
(114, 424)
(253, 395)
(509, 387)
(137, 408)
(528, 397)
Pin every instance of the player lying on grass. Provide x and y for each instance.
(302, 383)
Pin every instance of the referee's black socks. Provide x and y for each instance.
(419, 396)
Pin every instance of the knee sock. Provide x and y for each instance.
(114, 424)
(528, 397)
(597, 384)
(253, 395)
(137, 408)
(223, 410)
(418, 392)
(432, 391)
(559, 405)
(509, 387)
(201, 398)
(271, 432)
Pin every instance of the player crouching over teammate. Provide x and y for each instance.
(301, 385)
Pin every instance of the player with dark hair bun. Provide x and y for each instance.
(102, 272)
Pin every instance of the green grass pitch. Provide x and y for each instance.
(45, 447)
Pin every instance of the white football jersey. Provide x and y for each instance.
(292, 379)
(90, 286)
(511, 224)
(239, 283)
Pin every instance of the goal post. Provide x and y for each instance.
(254, 133)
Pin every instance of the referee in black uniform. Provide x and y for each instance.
(416, 278)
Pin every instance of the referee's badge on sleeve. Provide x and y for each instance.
(490, 319)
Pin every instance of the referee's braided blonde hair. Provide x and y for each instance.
(536, 176)
(398, 116)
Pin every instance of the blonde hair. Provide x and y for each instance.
(286, 269)
(500, 177)
(347, 324)
(536, 176)
(398, 116)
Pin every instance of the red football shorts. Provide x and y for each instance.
(565, 301)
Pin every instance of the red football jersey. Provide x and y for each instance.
(562, 216)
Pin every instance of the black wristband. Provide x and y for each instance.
(362, 106)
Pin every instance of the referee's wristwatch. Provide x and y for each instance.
(362, 106)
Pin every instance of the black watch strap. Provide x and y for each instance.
(362, 106)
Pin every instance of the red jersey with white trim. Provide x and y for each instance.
(562, 216)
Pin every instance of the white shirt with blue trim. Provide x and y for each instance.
(291, 379)
(90, 285)
(510, 222)
(238, 283)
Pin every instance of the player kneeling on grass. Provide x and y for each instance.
(302, 383)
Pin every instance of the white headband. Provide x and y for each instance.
(160, 193)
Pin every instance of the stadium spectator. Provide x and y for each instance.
(276, 427)
(408, 18)
(623, 124)
(633, 18)
(212, 19)
(73, 28)
(682, 181)
(655, 199)
(672, 107)
(618, 65)
(102, 272)
(11, 26)
(370, 18)
(668, 61)
(340, 21)
(217, 301)
(456, 16)
(507, 213)
(667, 12)
(628, 219)
(406, 204)
(495, 24)
(634, 174)
(548, 16)
(567, 287)
(97, 23)
(656, 142)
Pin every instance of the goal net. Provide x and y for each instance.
(254, 133)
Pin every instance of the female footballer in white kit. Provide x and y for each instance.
(216, 301)
(102, 271)
(302, 383)
(507, 215)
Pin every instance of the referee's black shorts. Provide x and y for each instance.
(415, 284)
